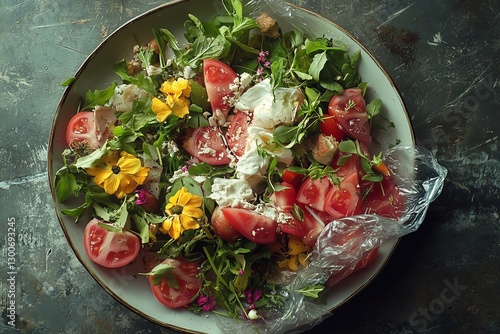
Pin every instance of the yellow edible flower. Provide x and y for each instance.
(176, 93)
(297, 254)
(183, 209)
(120, 175)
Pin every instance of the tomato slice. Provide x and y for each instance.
(329, 127)
(349, 112)
(342, 201)
(109, 249)
(313, 226)
(285, 196)
(351, 242)
(292, 178)
(81, 131)
(185, 273)
(313, 192)
(252, 225)
(367, 258)
(218, 77)
(237, 133)
(384, 199)
(206, 144)
(222, 227)
(285, 199)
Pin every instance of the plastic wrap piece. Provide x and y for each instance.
(420, 180)
(287, 16)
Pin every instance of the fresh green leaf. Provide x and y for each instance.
(312, 291)
(66, 184)
(91, 159)
(317, 65)
(348, 146)
(68, 81)
(373, 108)
(164, 271)
(98, 97)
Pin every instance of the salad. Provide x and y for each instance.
(221, 161)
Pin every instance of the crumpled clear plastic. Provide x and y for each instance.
(420, 179)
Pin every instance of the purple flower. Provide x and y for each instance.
(206, 303)
(253, 297)
(141, 196)
(184, 168)
(262, 56)
(240, 272)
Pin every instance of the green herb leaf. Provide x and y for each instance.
(348, 146)
(68, 81)
(165, 271)
(373, 108)
(98, 97)
(317, 65)
(312, 291)
(91, 159)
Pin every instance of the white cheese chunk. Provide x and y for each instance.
(231, 192)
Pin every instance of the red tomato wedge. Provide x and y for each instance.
(349, 112)
(367, 258)
(313, 192)
(185, 273)
(342, 201)
(218, 76)
(351, 241)
(329, 127)
(384, 199)
(109, 249)
(313, 226)
(222, 227)
(237, 133)
(292, 178)
(81, 131)
(252, 225)
(285, 197)
(206, 144)
(285, 200)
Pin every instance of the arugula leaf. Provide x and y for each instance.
(79, 210)
(311, 291)
(98, 97)
(277, 70)
(90, 160)
(68, 81)
(144, 83)
(324, 44)
(204, 48)
(145, 55)
(141, 223)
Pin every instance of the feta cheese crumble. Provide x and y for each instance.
(124, 96)
(231, 192)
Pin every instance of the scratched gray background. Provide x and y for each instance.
(443, 56)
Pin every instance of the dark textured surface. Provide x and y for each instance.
(442, 55)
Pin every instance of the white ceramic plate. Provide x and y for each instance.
(97, 72)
